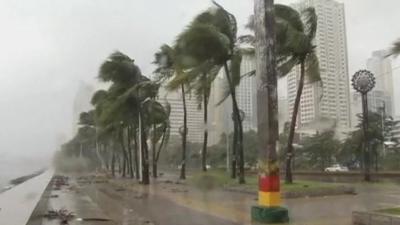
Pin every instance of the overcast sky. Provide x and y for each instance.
(48, 46)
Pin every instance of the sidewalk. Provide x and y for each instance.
(69, 197)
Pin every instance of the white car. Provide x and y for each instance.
(336, 168)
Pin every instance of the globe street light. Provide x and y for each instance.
(363, 81)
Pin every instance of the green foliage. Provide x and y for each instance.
(319, 150)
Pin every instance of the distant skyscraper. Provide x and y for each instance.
(194, 119)
(245, 96)
(246, 91)
(381, 67)
(332, 100)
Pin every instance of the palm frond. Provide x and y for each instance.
(290, 15)
(310, 22)
(201, 42)
(312, 68)
(395, 49)
(164, 59)
(287, 66)
(98, 96)
(119, 68)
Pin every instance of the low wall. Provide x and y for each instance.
(351, 176)
(373, 218)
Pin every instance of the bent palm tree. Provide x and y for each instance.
(167, 68)
(294, 40)
(301, 51)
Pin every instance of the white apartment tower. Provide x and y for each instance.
(245, 96)
(381, 66)
(332, 99)
(246, 92)
(195, 115)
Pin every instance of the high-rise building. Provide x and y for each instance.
(195, 123)
(246, 92)
(331, 100)
(245, 96)
(382, 94)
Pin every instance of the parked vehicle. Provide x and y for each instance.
(336, 168)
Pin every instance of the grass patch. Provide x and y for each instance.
(219, 179)
(210, 179)
(302, 185)
(393, 211)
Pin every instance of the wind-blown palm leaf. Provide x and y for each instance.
(154, 112)
(200, 43)
(285, 13)
(395, 49)
(87, 118)
(296, 43)
(165, 61)
(98, 97)
(234, 73)
(290, 16)
(285, 67)
(310, 22)
(119, 68)
(312, 68)
(219, 18)
(229, 21)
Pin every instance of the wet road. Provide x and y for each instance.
(17, 204)
(171, 204)
(146, 203)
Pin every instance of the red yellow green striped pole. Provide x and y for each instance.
(269, 209)
(269, 190)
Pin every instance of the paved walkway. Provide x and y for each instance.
(177, 204)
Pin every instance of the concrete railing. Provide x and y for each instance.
(18, 203)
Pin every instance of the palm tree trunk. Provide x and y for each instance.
(153, 151)
(234, 148)
(184, 134)
(205, 116)
(136, 154)
(129, 133)
(113, 163)
(124, 155)
(267, 104)
(289, 152)
(145, 153)
(238, 130)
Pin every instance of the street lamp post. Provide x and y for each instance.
(363, 81)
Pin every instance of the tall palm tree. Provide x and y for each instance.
(226, 24)
(167, 67)
(301, 51)
(205, 47)
(267, 114)
(194, 48)
(294, 46)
